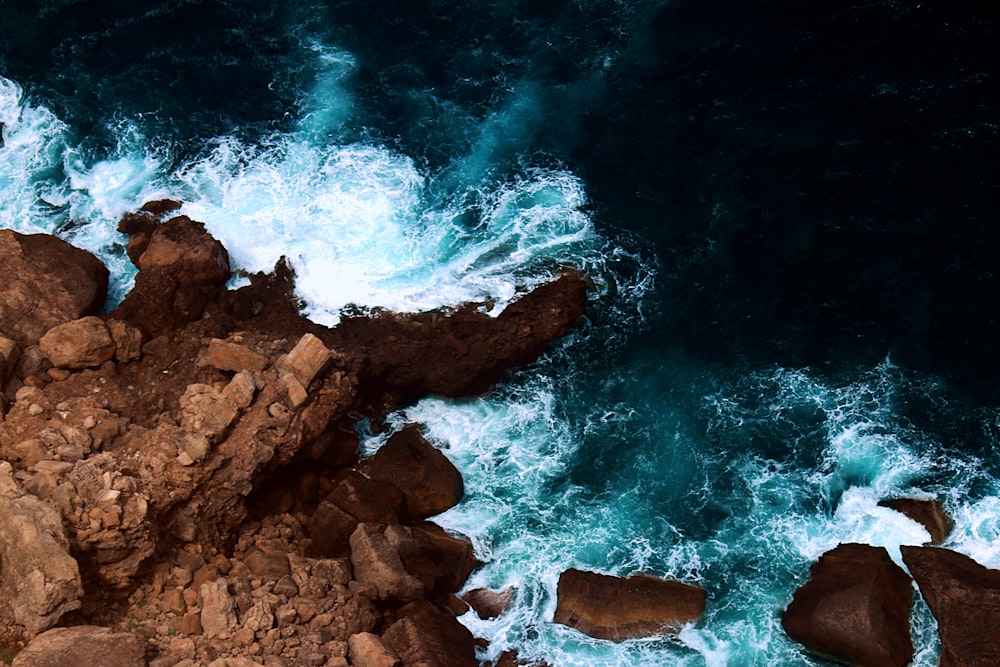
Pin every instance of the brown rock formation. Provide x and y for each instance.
(423, 635)
(81, 343)
(464, 352)
(46, 282)
(928, 513)
(488, 603)
(613, 608)
(39, 581)
(965, 599)
(85, 644)
(187, 467)
(855, 608)
(430, 483)
(182, 269)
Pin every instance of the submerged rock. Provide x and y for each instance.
(609, 607)
(965, 598)
(855, 608)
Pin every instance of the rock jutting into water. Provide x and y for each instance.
(927, 513)
(191, 456)
(613, 608)
(855, 608)
(965, 598)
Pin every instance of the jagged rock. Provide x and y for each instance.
(425, 636)
(128, 340)
(82, 644)
(82, 343)
(464, 352)
(241, 389)
(206, 411)
(39, 580)
(441, 562)
(181, 270)
(609, 607)
(855, 608)
(306, 360)
(965, 598)
(430, 482)
(46, 282)
(377, 562)
(367, 650)
(228, 356)
(928, 513)
(488, 603)
(9, 354)
(218, 613)
(356, 499)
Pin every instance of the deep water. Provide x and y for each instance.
(787, 212)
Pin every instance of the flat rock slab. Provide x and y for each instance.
(855, 608)
(965, 599)
(82, 645)
(609, 607)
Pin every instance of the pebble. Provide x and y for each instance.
(35, 409)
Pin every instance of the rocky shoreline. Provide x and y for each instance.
(180, 481)
(179, 478)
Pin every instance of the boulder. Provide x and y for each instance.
(430, 482)
(439, 561)
(377, 563)
(367, 650)
(128, 340)
(182, 269)
(488, 603)
(82, 343)
(46, 282)
(928, 513)
(306, 360)
(425, 636)
(965, 598)
(228, 356)
(855, 608)
(82, 644)
(355, 499)
(39, 580)
(609, 607)
(218, 612)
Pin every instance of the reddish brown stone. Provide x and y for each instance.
(464, 352)
(228, 356)
(613, 608)
(429, 481)
(425, 636)
(855, 608)
(928, 513)
(965, 599)
(46, 282)
(489, 603)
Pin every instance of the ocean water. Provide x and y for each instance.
(786, 212)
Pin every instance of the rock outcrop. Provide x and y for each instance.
(39, 580)
(928, 513)
(855, 608)
(965, 598)
(46, 282)
(609, 607)
(192, 457)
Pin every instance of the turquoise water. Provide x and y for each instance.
(773, 341)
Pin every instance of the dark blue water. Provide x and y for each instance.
(787, 211)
